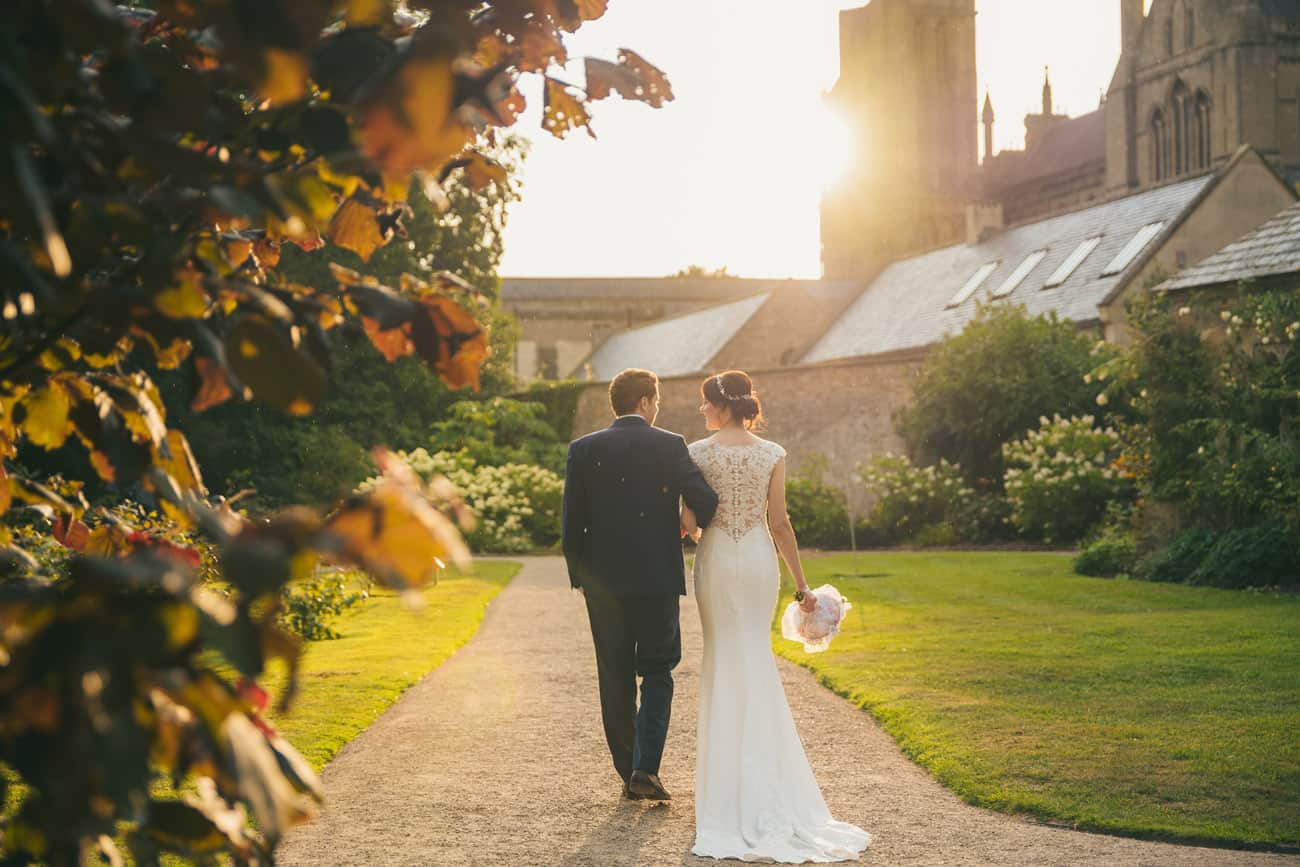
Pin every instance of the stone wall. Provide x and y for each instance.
(843, 412)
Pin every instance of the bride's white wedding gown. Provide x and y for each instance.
(755, 795)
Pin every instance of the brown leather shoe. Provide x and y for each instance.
(648, 786)
(629, 795)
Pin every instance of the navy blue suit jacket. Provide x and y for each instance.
(621, 526)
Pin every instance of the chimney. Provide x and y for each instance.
(982, 220)
(1130, 22)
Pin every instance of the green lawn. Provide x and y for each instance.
(1120, 706)
(386, 646)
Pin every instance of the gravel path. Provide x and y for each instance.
(497, 758)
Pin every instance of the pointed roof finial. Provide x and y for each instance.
(987, 115)
(1047, 91)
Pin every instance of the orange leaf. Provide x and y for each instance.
(564, 111)
(70, 532)
(450, 340)
(393, 531)
(539, 47)
(631, 78)
(355, 227)
(590, 10)
(408, 124)
(480, 170)
(214, 388)
(393, 343)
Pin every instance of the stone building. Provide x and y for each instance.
(907, 88)
(833, 372)
(1196, 144)
(565, 318)
(1196, 80)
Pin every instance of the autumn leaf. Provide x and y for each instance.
(213, 386)
(367, 13)
(188, 300)
(407, 122)
(564, 111)
(284, 76)
(266, 360)
(70, 532)
(45, 415)
(392, 530)
(355, 227)
(450, 340)
(177, 460)
(539, 47)
(392, 343)
(631, 78)
(480, 170)
(590, 10)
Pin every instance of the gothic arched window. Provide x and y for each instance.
(1182, 111)
(1189, 28)
(1202, 145)
(1169, 37)
(1159, 145)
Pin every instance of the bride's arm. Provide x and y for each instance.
(778, 518)
(690, 525)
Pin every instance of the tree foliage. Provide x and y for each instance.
(154, 164)
(992, 382)
(285, 459)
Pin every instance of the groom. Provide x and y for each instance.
(622, 544)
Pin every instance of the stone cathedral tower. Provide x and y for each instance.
(908, 87)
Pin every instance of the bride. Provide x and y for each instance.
(755, 795)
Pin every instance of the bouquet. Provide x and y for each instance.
(816, 628)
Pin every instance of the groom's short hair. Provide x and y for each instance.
(627, 389)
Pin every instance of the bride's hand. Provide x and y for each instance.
(809, 603)
(690, 526)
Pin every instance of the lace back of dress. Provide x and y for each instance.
(740, 476)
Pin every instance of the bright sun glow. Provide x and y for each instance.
(731, 173)
(834, 151)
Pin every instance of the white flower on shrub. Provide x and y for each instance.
(1060, 476)
(517, 505)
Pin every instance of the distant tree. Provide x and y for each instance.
(992, 382)
(701, 271)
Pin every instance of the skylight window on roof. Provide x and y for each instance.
(1136, 245)
(1072, 262)
(1018, 276)
(976, 280)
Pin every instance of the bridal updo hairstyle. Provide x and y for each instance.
(733, 390)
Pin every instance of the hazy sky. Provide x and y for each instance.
(731, 172)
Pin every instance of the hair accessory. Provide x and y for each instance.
(723, 391)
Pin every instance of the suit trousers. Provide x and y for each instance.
(634, 636)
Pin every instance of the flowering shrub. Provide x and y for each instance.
(516, 506)
(310, 606)
(1060, 477)
(817, 510)
(912, 499)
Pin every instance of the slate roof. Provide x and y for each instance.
(1271, 250)
(1069, 144)
(904, 307)
(639, 288)
(672, 347)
